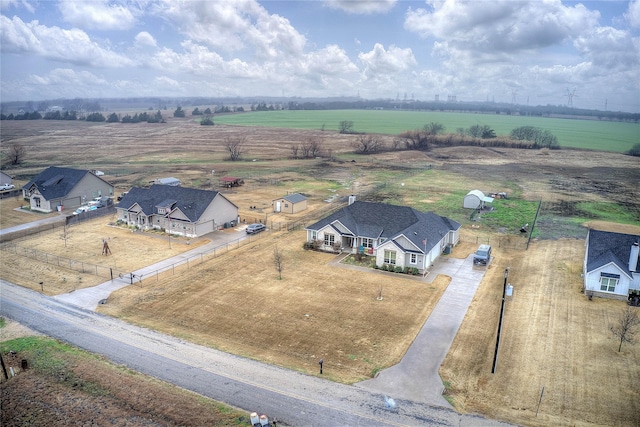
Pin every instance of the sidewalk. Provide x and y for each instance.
(416, 376)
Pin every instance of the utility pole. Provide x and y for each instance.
(504, 292)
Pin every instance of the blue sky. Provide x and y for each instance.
(530, 52)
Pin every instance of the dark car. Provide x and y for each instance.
(255, 228)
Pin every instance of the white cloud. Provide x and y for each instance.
(8, 4)
(145, 39)
(73, 46)
(609, 49)
(332, 60)
(502, 25)
(379, 61)
(632, 15)
(362, 6)
(97, 14)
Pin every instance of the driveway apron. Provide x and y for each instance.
(416, 376)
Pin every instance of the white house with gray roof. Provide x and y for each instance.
(397, 236)
(611, 266)
(57, 188)
(178, 210)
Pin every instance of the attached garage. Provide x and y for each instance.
(475, 199)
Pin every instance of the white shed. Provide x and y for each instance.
(475, 199)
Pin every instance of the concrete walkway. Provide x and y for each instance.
(33, 224)
(89, 298)
(416, 376)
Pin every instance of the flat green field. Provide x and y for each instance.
(571, 133)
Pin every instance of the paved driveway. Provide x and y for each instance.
(416, 376)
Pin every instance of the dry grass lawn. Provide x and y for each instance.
(317, 311)
(129, 251)
(552, 337)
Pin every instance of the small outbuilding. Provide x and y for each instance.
(231, 181)
(174, 182)
(475, 199)
(291, 203)
(5, 178)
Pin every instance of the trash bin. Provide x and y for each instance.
(447, 250)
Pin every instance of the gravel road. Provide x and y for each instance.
(293, 398)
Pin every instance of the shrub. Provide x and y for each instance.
(634, 151)
(376, 266)
(384, 267)
(415, 271)
(398, 269)
(406, 270)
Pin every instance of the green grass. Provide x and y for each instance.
(586, 134)
(510, 214)
(611, 212)
(3, 322)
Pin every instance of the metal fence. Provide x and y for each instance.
(506, 241)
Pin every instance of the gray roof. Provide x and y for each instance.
(380, 220)
(294, 198)
(606, 247)
(191, 201)
(55, 182)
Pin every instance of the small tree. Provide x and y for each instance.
(634, 151)
(346, 126)
(113, 118)
(235, 146)
(366, 144)
(278, 261)
(65, 234)
(179, 112)
(16, 154)
(625, 328)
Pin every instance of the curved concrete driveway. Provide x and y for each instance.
(416, 376)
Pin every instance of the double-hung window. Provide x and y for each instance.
(414, 259)
(329, 239)
(367, 243)
(390, 257)
(608, 282)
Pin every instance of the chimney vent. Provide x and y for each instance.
(633, 256)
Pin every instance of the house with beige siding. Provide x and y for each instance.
(396, 236)
(57, 188)
(184, 211)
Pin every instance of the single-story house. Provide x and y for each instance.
(57, 188)
(5, 179)
(178, 210)
(167, 181)
(475, 199)
(611, 266)
(291, 203)
(397, 236)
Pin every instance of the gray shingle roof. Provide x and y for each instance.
(373, 220)
(294, 198)
(191, 201)
(55, 182)
(606, 247)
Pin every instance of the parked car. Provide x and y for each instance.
(255, 228)
(82, 209)
(122, 195)
(7, 187)
(482, 255)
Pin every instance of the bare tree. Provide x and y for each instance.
(235, 146)
(66, 234)
(627, 322)
(311, 148)
(278, 261)
(346, 126)
(294, 150)
(16, 154)
(367, 144)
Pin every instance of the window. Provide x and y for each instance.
(37, 200)
(390, 257)
(329, 239)
(608, 282)
(414, 259)
(314, 235)
(367, 243)
(286, 205)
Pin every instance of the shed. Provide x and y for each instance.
(174, 182)
(231, 181)
(291, 203)
(475, 199)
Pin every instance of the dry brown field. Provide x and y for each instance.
(553, 337)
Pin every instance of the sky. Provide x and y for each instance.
(538, 52)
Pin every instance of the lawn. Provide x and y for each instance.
(586, 134)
